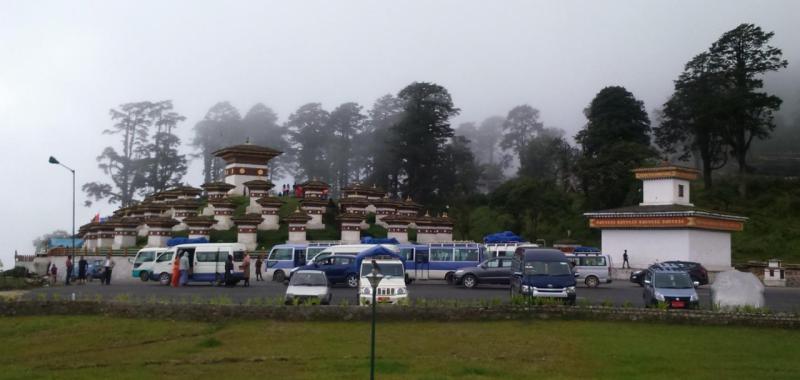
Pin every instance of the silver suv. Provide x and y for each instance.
(670, 287)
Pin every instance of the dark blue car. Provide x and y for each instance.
(542, 273)
(338, 268)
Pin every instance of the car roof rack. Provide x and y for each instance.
(467, 243)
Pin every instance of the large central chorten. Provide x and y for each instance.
(246, 162)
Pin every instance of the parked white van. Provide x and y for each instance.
(593, 268)
(206, 260)
(143, 263)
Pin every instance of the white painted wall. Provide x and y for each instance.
(711, 248)
(646, 246)
(665, 191)
(297, 236)
(121, 273)
(249, 240)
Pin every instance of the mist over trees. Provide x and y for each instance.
(717, 108)
(149, 159)
(503, 172)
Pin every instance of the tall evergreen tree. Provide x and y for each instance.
(693, 119)
(743, 55)
(421, 135)
(346, 123)
(520, 126)
(381, 163)
(310, 136)
(164, 165)
(141, 163)
(615, 140)
(260, 125)
(218, 129)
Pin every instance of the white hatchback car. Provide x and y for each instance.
(308, 286)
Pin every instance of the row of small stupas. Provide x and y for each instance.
(246, 174)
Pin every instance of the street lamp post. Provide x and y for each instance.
(53, 160)
(374, 279)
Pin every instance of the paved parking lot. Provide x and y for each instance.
(618, 293)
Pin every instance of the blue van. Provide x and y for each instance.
(542, 272)
(338, 268)
(283, 258)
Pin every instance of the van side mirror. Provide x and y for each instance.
(696, 283)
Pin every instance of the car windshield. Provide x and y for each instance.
(387, 269)
(308, 279)
(672, 281)
(547, 268)
(145, 257)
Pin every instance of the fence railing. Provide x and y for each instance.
(123, 252)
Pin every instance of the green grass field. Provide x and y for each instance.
(110, 348)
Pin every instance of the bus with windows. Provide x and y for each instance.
(283, 258)
(206, 262)
(439, 261)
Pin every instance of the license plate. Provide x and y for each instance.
(678, 304)
(383, 299)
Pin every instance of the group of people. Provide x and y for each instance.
(181, 270)
(297, 191)
(83, 266)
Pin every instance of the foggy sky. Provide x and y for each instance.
(65, 64)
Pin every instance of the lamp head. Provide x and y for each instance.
(53, 160)
(376, 276)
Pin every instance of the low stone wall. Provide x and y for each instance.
(214, 313)
(792, 272)
(121, 273)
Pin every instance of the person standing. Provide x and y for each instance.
(259, 263)
(82, 264)
(108, 266)
(184, 268)
(625, 260)
(175, 279)
(229, 271)
(53, 271)
(246, 269)
(69, 270)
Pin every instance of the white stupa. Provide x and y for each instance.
(666, 225)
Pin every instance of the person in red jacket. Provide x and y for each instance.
(176, 271)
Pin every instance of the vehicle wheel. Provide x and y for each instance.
(279, 276)
(144, 276)
(352, 280)
(449, 277)
(408, 279)
(592, 281)
(164, 278)
(469, 281)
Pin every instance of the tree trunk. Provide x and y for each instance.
(706, 159)
(741, 159)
